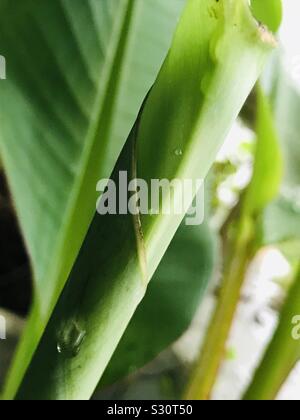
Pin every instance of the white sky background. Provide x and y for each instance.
(290, 44)
(290, 38)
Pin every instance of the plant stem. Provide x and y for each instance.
(282, 354)
(207, 367)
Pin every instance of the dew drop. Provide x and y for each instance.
(70, 339)
(178, 152)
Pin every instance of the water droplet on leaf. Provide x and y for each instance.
(70, 339)
(178, 152)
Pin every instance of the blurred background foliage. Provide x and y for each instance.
(247, 252)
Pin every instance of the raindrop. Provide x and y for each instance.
(70, 339)
(178, 152)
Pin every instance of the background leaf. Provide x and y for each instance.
(268, 12)
(282, 217)
(281, 222)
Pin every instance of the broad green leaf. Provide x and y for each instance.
(77, 72)
(196, 98)
(268, 12)
(170, 303)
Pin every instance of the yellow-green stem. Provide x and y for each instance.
(207, 367)
(282, 354)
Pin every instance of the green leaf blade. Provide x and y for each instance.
(72, 138)
(74, 87)
(268, 12)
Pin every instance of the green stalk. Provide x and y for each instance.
(216, 57)
(207, 367)
(282, 354)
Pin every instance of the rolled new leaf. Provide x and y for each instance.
(216, 57)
